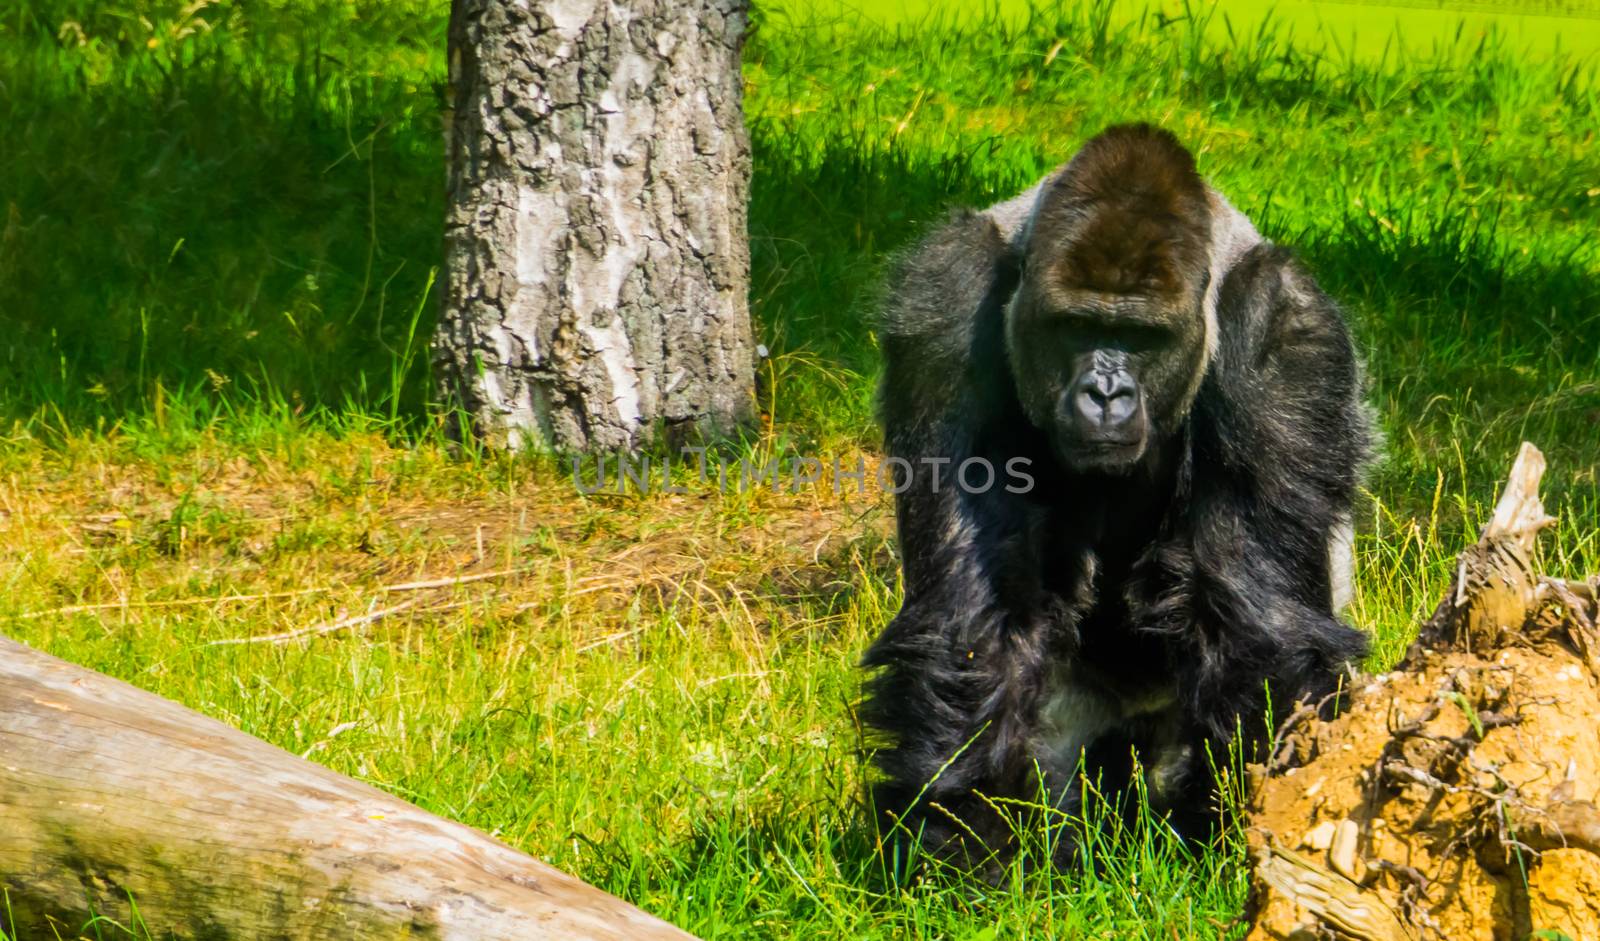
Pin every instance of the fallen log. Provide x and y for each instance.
(109, 793)
(1453, 800)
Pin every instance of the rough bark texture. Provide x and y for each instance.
(108, 791)
(596, 254)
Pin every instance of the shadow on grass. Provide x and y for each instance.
(206, 227)
(822, 863)
(1473, 343)
(265, 228)
(262, 231)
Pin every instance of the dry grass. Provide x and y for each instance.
(312, 540)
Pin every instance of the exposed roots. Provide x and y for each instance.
(1454, 798)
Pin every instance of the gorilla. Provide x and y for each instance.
(1188, 402)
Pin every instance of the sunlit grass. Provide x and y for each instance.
(1339, 30)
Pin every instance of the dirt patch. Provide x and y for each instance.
(1454, 798)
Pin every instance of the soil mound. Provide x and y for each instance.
(1454, 798)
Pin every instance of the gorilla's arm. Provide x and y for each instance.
(955, 666)
(1279, 435)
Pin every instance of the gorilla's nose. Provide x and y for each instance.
(1106, 401)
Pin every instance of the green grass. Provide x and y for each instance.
(1366, 30)
(215, 251)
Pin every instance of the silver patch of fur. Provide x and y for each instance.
(1014, 217)
(1077, 711)
(1232, 235)
(1341, 544)
(1074, 715)
(1342, 564)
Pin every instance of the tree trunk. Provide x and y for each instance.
(595, 245)
(107, 792)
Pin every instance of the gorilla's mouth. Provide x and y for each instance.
(1105, 456)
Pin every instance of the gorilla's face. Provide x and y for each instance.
(1107, 332)
(1106, 374)
(1105, 377)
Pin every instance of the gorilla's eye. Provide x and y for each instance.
(1119, 333)
(1137, 336)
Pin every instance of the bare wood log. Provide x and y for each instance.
(108, 792)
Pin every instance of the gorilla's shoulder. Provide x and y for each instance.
(1284, 381)
(936, 286)
(942, 321)
(1271, 313)
(949, 287)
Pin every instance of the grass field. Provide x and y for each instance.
(1368, 31)
(221, 228)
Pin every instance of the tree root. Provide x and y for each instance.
(1454, 798)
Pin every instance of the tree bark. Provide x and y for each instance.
(595, 246)
(108, 792)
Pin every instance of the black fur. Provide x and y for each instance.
(1193, 580)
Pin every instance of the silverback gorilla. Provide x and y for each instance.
(1189, 401)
